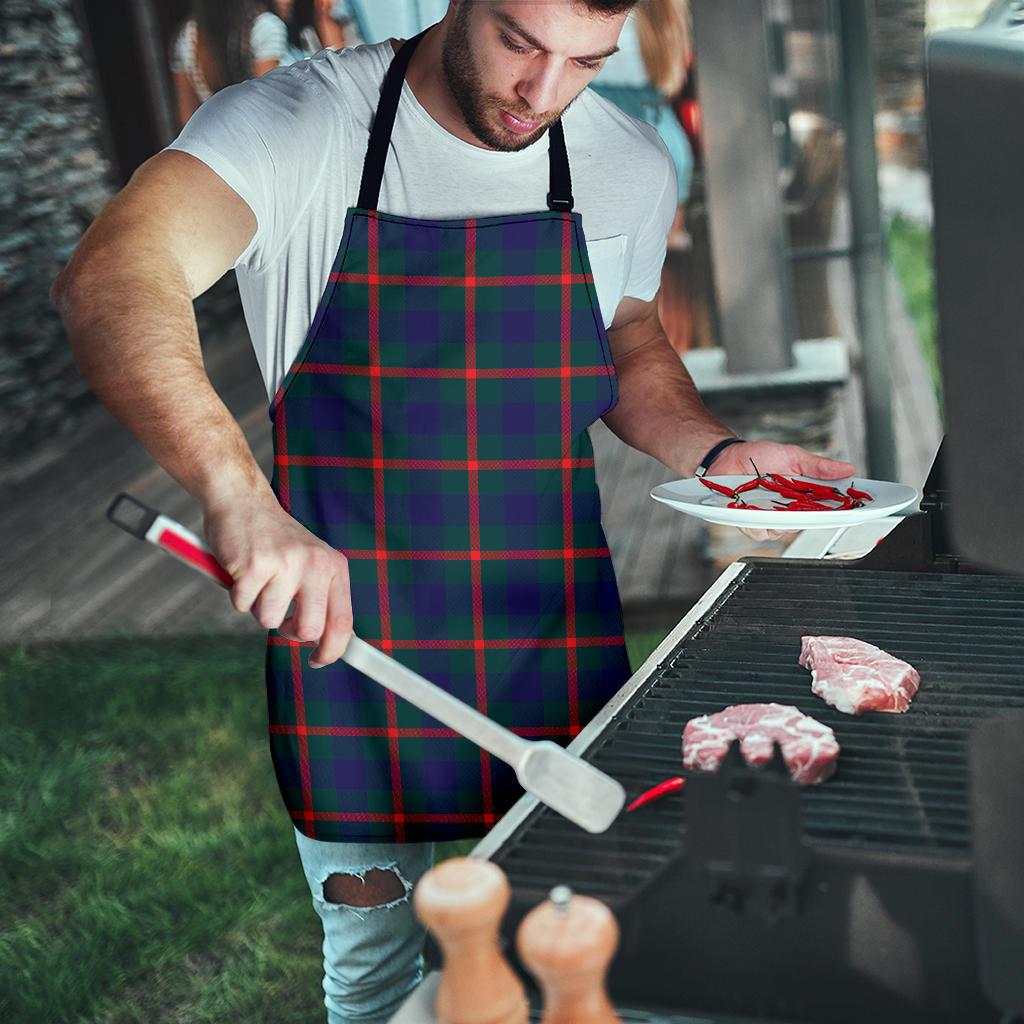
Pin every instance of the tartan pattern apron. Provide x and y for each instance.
(433, 429)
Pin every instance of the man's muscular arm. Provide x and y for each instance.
(659, 410)
(126, 301)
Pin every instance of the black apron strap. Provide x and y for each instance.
(383, 122)
(559, 185)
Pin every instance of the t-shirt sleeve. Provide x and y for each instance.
(269, 37)
(652, 238)
(269, 139)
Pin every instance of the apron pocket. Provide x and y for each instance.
(608, 265)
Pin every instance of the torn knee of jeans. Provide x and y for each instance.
(374, 888)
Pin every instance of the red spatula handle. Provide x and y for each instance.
(147, 524)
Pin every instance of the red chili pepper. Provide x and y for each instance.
(807, 506)
(788, 492)
(815, 490)
(862, 495)
(717, 487)
(750, 485)
(668, 786)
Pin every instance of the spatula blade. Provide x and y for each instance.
(574, 788)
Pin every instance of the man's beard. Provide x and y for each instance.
(465, 84)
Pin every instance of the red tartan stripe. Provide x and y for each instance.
(400, 819)
(567, 507)
(300, 718)
(458, 281)
(480, 658)
(281, 437)
(456, 372)
(460, 465)
(384, 597)
(408, 732)
(494, 644)
(482, 556)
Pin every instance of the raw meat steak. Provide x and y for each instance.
(855, 677)
(808, 747)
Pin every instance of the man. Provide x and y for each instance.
(432, 376)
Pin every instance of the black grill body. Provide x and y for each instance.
(847, 901)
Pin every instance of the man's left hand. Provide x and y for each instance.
(771, 457)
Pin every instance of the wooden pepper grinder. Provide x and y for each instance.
(567, 943)
(462, 901)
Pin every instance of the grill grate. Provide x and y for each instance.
(901, 784)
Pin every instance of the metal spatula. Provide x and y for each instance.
(575, 789)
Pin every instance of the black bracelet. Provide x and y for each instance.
(705, 463)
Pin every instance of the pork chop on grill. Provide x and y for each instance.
(855, 677)
(809, 748)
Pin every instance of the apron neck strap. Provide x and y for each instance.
(559, 187)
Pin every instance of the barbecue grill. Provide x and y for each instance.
(746, 896)
(895, 890)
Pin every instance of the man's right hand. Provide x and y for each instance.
(274, 560)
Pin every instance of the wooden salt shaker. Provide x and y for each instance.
(567, 943)
(462, 901)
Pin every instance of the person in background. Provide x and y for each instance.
(312, 26)
(649, 72)
(645, 79)
(221, 43)
(372, 21)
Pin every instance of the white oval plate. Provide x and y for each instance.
(693, 498)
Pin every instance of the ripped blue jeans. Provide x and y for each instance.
(373, 956)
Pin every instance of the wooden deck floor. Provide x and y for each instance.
(69, 573)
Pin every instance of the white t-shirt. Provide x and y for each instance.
(292, 143)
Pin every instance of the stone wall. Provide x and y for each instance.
(54, 178)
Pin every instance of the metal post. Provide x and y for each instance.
(742, 173)
(857, 69)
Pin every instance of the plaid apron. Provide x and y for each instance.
(433, 429)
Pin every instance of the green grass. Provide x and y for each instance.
(147, 868)
(148, 871)
(910, 247)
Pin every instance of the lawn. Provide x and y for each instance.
(149, 871)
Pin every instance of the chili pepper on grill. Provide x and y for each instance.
(668, 786)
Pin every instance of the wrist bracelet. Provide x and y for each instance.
(705, 463)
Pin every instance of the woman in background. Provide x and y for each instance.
(644, 78)
(648, 73)
(221, 43)
(313, 25)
